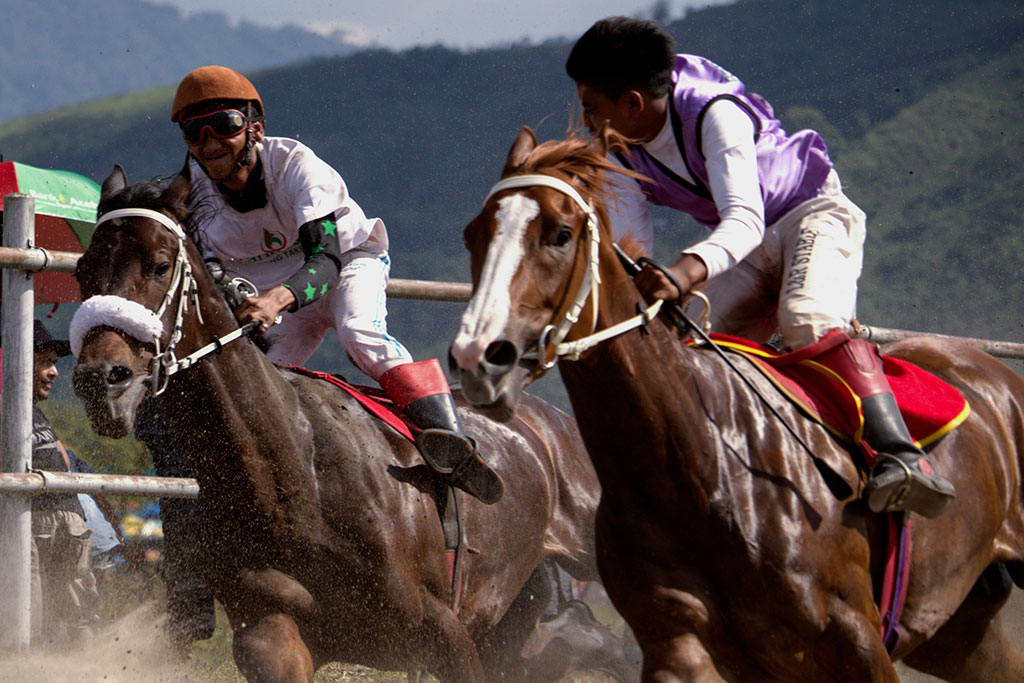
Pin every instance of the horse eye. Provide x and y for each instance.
(561, 238)
(161, 269)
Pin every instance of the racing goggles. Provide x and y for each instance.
(222, 124)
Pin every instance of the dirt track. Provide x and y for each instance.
(133, 650)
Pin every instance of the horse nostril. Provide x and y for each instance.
(118, 374)
(501, 354)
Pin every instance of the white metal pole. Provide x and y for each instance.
(41, 482)
(16, 428)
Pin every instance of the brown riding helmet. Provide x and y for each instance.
(213, 83)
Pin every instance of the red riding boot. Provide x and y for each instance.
(902, 478)
(421, 391)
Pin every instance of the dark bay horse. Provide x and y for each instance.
(322, 535)
(718, 540)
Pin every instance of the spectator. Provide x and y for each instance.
(64, 598)
(107, 541)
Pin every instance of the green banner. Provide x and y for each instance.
(60, 193)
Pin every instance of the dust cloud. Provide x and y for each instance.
(130, 650)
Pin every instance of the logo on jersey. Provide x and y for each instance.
(273, 241)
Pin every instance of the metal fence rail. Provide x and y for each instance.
(18, 483)
(19, 259)
(1000, 349)
(38, 482)
(38, 259)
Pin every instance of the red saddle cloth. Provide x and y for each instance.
(374, 400)
(931, 407)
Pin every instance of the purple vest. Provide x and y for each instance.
(792, 168)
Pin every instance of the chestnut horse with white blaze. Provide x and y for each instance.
(718, 538)
(321, 528)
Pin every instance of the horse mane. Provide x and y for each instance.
(581, 159)
(585, 162)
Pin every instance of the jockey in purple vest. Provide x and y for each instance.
(785, 246)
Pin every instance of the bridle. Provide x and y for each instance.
(571, 350)
(555, 332)
(147, 325)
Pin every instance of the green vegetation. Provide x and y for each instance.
(919, 102)
(57, 52)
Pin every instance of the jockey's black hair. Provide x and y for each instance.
(619, 54)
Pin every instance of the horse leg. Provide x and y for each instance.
(682, 658)
(271, 650)
(449, 653)
(502, 646)
(575, 640)
(972, 645)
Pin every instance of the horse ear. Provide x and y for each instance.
(525, 143)
(176, 193)
(115, 182)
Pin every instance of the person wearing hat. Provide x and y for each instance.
(65, 602)
(269, 210)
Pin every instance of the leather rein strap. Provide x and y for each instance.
(183, 287)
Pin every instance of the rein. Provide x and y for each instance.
(572, 350)
(147, 325)
(555, 334)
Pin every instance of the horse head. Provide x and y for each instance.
(137, 278)
(538, 250)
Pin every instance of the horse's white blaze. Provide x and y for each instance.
(488, 311)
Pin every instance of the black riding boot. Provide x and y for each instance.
(421, 390)
(903, 478)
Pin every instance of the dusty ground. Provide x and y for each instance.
(132, 650)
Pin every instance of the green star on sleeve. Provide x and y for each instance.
(311, 271)
(323, 290)
(310, 291)
(328, 227)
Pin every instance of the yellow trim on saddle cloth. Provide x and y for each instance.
(948, 427)
(753, 351)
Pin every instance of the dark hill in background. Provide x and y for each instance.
(57, 53)
(919, 101)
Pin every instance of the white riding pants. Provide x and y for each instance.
(801, 280)
(356, 309)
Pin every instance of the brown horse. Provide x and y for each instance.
(322, 534)
(718, 539)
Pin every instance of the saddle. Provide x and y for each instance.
(930, 407)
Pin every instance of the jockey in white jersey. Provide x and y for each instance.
(786, 245)
(269, 210)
